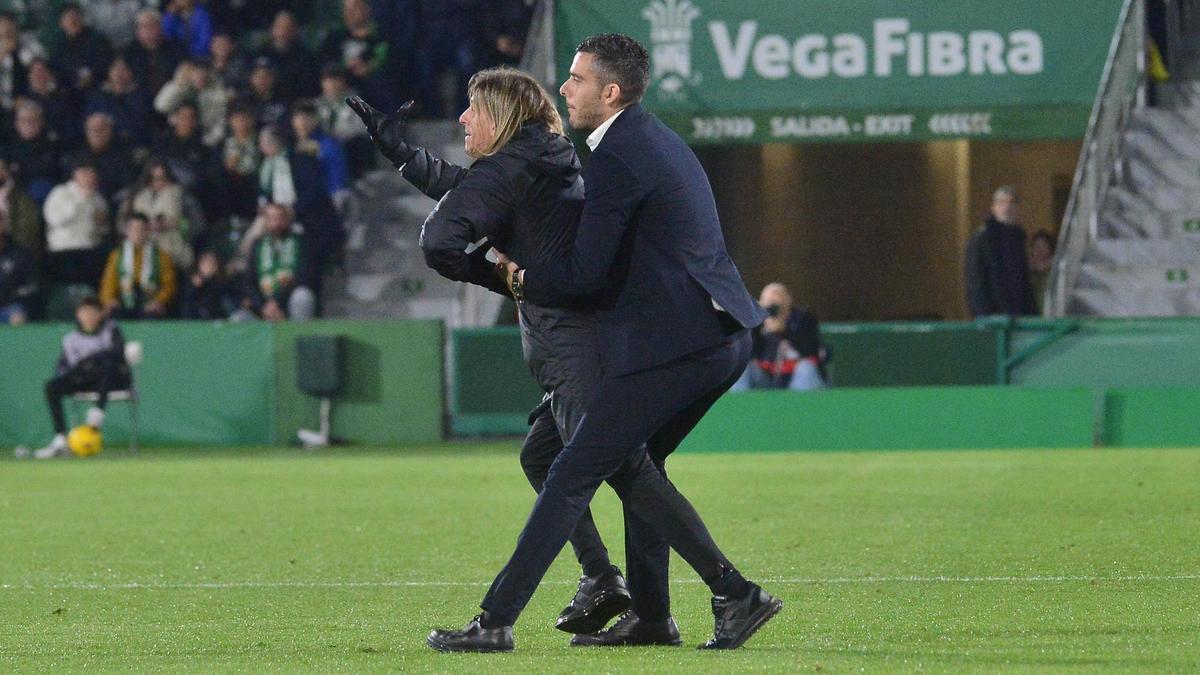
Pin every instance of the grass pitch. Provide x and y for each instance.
(278, 561)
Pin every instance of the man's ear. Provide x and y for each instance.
(612, 94)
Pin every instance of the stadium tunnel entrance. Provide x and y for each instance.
(875, 232)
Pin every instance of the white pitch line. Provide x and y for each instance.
(815, 581)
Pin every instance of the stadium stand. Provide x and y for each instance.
(127, 85)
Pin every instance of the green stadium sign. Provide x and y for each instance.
(745, 71)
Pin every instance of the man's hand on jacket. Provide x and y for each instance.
(388, 131)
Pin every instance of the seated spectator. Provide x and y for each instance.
(269, 107)
(34, 155)
(18, 280)
(79, 54)
(996, 271)
(208, 295)
(240, 160)
(139, 279)
(295, 66)
(340, 121)
(125, 102)
(60, 107)
(13, 77)
(13, 41)
(114, 162)
(189, 23)
(311, 139)
(21, 216)
(787, 351)
(152, 57)
(1041, 260)
(193, 81)
(363, 51)
(228, 65)
(77, 228)
(298, 178)
(92, 360)
(275, 181)
(175, 217)
(190, 160)
(278, 284)
(114, 19)
(446, 45)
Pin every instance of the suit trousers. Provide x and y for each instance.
(561, 348)
(610, 445)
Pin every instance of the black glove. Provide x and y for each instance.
(386, 130)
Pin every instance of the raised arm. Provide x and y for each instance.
(428, 173)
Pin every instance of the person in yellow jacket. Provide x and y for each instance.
(139, 279)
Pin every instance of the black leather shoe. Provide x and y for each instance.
(472, 638)
(630, 631)
(739, 618)
(598, 600)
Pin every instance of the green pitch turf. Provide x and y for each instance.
(279, 561)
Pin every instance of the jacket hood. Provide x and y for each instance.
(549, 153)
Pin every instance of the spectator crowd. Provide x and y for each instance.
(193, 158)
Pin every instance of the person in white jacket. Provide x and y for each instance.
(194, 81)
(77, 228)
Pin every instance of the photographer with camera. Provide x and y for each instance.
(787, 352)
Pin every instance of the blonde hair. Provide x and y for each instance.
(511, 98)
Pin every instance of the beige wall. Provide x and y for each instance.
(874, 232)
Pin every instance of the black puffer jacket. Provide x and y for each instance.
(525, 200)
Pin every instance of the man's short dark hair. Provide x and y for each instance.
(620, 60)
(138, 215)
(90, 301)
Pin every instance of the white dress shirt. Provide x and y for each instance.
(596, 136)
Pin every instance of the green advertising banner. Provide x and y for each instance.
(792, 71)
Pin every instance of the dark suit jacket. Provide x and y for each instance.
(649, 248)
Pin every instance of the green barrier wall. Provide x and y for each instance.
(908, 418)
(393, 382)
(911, 354)
(1152, 418)
(948, 418)
(492, 391)
(206, 384)
(1110, 353)
(201, 384)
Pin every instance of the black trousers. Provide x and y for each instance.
(562, 351)
(609, 444)
(99, 375)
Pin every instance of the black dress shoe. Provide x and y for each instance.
(739, 618)
(598, 600)
(630, 631)
(472, 638)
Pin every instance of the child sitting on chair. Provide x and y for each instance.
(92, 360)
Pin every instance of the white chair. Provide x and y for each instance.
(133, 356)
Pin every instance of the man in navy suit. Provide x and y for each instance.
(675, 316)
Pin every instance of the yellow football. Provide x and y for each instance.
(85, 441)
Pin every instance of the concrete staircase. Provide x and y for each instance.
(1145, 259)
(385, 276)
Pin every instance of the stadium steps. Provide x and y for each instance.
(384, 274)
(1145, 260)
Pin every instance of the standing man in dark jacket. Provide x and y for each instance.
(996, 269)
(674, 318)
